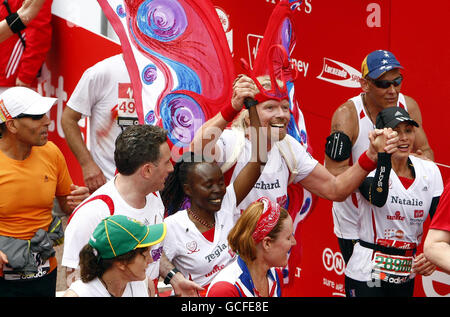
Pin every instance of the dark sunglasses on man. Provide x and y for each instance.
(32, 116)
(382, 83)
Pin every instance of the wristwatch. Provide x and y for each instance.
(169, 275)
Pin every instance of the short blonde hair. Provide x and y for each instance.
(240, 238)
(266, 83)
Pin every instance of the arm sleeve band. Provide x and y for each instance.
(375, 189)
(433, 206)
(338, 146)
(15, 23)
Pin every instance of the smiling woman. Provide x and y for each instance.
(114, 262)
(202, 210)
(398, 197)
(263, 238)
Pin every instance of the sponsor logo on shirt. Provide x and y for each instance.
(215, 269)
(192, 247)
(418, 218)
(393, 233)
(397, 216)
(156, 253)
(282, 200)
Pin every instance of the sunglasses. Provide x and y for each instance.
(381, 83)
(32, 116)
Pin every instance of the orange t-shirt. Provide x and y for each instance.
(28, 188)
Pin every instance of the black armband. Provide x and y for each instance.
(375, 189)
(338, 146)
(15, 23)
(433, 206)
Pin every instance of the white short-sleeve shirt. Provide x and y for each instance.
(85, 219)
(274, 179)
(195, 256)
(97, 96)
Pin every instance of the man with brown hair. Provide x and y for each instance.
(142, 157)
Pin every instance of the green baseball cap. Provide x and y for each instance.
(119, 234)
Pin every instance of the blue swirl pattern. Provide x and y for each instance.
(164, 21)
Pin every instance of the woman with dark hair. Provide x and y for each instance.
(397, 199)
(197, 236)
(263, 238)
(114, 262)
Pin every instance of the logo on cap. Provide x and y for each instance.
(4, 114)
(377, 63)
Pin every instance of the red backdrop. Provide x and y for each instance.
(333, 37)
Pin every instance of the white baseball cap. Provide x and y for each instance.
(22, 100)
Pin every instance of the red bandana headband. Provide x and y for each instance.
(267, 220)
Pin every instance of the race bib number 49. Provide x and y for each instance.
(127, 114)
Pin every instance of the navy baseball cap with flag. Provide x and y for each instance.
(392, 116)
(119, 234)
(377, 63)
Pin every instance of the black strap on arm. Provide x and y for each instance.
(375, 189)
(14, 22)
(338, 146)
(433, 206)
